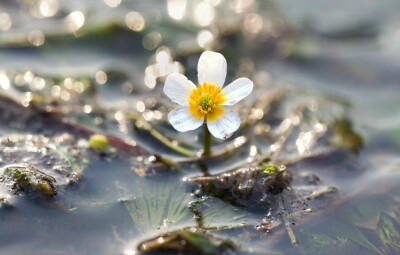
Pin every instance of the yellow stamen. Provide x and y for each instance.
(205, 102)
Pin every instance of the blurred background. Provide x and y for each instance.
(341, 47)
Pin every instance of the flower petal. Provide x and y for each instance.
(225, 125)
(212, 68)
(177, 87)
(182, 120)
(237, 90)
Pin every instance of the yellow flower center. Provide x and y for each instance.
(205, 102)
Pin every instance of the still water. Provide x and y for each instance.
(325, 104)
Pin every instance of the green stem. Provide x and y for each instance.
(160, 137)
(207, 141)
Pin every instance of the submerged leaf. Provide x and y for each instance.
(155, 203)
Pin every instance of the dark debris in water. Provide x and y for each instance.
(248, 187)
(187, 241)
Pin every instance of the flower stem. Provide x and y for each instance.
(160, 137)
(207, 141)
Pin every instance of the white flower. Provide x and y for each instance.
(208, 101)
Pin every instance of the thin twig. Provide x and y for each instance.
(287, 223)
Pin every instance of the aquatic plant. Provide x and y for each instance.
(367, 224)
(157, 204)
(207, 102)
(29, 180)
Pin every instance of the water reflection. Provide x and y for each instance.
(100, 77)
(36, 37)
(87, 109)
(213, 2)
(75, 20)
(112, 3)
(164, 65)
(204, 14)
(38, 83)
(176, 8)
(4, 81)
(129, 252)
(253, 23)
(48, 8)
(27, 99)
(240, 6)
(205, 38)
(140, 107)
(151, 40)
(135, 21)
(5, 21)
